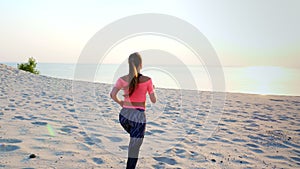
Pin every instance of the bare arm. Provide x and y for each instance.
(113, 95)
(153, 97)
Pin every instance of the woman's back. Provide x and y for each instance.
(143, 87)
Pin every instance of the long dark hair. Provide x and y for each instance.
(134, 61)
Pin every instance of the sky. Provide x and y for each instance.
(243, 33)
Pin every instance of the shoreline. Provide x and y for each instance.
(74, 124)
(225, 92)
(241, 88)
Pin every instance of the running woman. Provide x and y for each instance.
(132, 116)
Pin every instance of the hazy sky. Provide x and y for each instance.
(243, 33)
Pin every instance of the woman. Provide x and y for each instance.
(132, 116)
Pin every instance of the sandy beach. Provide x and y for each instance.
(56, 123)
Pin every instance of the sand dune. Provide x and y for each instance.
(72, 124)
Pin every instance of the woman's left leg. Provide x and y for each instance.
(124, 123)
(137, 133)
(134, 122)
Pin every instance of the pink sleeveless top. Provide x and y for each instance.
(139, 94)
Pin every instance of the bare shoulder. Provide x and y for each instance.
(125, 77)
(144, 79)
(141, 79)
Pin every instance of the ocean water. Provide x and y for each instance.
(265, 80)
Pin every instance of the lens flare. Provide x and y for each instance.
(50, 130)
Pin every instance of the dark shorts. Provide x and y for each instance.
(133, 121)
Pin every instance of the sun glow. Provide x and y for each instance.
(263, 79)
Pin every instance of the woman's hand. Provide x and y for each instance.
(121, 103)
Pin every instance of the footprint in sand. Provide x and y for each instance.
(39, 123)
(147, 133)
(252, 145)
(123, 147)
(179, 151)
(115, 139)
(151, 132)
(230, 120)
(167, 160)
(68, 129)
(91, 141)
(238, 140)
(98, 160)
(288, 143)
(297, 131)
(157, 131)
(10, 141)
(191, 131)
(6, 148)
(20, 118)
(257, 150)
(82, 146)
(276, 157)
(296, 159)
(71, 110)
(296, 152)
(201, 144)
(152, 124)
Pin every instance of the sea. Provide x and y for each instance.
(263, 80)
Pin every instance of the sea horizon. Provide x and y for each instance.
(273, 80)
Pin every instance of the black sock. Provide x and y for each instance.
(131, 163)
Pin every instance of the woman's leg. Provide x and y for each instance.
(124, 123)
(137, 133)
(134, 122)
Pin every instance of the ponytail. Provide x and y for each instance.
(134, 61)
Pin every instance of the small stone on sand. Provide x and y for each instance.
(32, 156)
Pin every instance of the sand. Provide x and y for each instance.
(56, 123)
